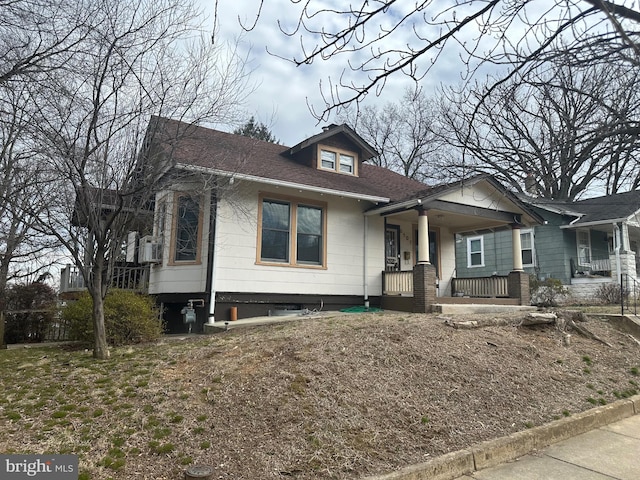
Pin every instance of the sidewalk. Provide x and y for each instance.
(609, 452)
(597, 444)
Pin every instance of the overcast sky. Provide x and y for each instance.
(283, 91)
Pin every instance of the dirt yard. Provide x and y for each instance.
(337, 397)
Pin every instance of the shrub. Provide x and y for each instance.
(546, 293)
(129, 318)
(609, 293)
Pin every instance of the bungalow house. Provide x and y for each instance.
(247, 228)
(583, 243)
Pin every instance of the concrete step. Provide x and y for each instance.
(480, 308)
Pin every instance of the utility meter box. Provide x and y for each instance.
(188, 315)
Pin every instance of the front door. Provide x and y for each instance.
(392, 248)
(433, 249)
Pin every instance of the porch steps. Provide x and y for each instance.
(468, 308)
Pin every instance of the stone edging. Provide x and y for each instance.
(500, 450)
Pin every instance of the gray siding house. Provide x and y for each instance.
(583, 244)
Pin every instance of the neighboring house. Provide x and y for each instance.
(254, 228)
(583, 243)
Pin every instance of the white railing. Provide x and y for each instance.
(124, 278)
(488, 287)
(397, 283)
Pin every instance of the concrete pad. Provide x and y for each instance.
(629, 427)
(602, 451)
(538, 468)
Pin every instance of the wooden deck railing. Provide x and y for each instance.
(397, 283)
(487, 287)
(125, 278)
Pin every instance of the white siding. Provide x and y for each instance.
(237, 270)
(236, 251)
(180, 278)
(480, 195)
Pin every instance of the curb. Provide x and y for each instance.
(504, 449)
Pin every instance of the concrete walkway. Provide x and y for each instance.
(608, 452)
(597, 444)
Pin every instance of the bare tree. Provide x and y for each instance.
(37, 36)
(370, 38)
(403, 133)
(568, 128)
(97, 118)
(24, 252)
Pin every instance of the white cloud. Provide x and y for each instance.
(284, 91)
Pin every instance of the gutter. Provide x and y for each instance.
(280, 183)
(394, 207)
(595, 222)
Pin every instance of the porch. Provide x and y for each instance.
(481, 292)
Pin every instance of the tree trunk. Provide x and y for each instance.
(3, 344)
(100, 347)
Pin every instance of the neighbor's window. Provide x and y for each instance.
(338, 161)
(584, 247)
(526, 240)
(292, 232)
(187, 229)
(475, 252)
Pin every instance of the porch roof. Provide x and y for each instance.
(434, 198)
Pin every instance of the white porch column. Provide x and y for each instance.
(517, 248)
(625, 243)
(423, 236)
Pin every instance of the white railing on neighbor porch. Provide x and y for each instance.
(397, 283)
(125, 278)
(487, 287)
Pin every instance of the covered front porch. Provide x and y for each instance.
(421, 237)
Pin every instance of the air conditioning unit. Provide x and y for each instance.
(150, 250)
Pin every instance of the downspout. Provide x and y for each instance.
(211, 268)
(365, 282)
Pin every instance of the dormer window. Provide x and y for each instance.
(347, 163)
(337, 160)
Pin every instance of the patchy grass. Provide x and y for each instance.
(344, 397)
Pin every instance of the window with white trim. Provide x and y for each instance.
(526, 241)
(475, 252)
(340, 161)
(292, 232)
(583, 240)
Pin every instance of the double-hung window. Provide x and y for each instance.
(526, 240)
(475, 252)
(292, 232)
(337, 160)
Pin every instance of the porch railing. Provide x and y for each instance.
(134, 278)
(397, 283)
(595, 266)
(488, 287)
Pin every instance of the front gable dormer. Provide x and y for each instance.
(338, 149)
